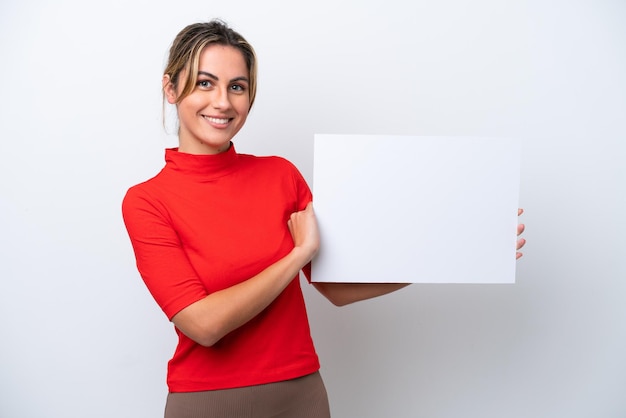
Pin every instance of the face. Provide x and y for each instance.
(218, 106)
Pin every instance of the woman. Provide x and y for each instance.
(220, 238)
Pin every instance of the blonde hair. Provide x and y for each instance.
(190, 42)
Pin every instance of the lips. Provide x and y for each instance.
(219, 121)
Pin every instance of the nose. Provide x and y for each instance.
(220, 99)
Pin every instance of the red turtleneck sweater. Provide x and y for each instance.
(205, 223)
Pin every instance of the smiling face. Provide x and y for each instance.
(218, 106)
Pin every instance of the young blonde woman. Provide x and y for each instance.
(220, 238)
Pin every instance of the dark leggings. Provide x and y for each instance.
(304, 397)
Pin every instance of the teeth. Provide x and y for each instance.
(216, 120)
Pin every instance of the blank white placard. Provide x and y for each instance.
(415, 209)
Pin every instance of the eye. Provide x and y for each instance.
(238, 88)
(204, 84)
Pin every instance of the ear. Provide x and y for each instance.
(168, 89)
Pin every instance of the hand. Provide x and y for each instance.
(520, 241)
(304, 230)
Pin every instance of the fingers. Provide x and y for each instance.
(296, 216)
(303, 228)
(520, 242)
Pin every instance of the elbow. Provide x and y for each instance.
(335, 293)
(208, 343)
(203, 333)
(207, 336)
(338, 300)
(205, 339)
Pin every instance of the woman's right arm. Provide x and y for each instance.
(210, 316)
(221, 312)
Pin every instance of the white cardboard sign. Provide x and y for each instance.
(416, 209)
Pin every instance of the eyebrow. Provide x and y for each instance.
(216, 78)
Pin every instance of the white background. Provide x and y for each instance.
(80, 117)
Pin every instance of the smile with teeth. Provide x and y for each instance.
(220, 121)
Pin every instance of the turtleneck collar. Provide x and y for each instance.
(204, 167)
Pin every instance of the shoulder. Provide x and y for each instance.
(276, 170)
(142, 194)
(269, 162)
(283, 174)
(266, 160)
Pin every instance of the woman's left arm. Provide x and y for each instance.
(341, 294)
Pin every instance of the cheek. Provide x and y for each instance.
(243, 106)
(187, 107)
